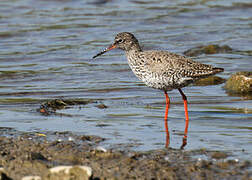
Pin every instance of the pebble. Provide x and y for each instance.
(100, 148)
(66, 169)
(70, 138)
(31, 178)
(166, 158)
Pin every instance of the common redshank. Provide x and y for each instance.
(162, 70)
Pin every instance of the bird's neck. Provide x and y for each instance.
(134, 49)
(132, 56)
(132, 53)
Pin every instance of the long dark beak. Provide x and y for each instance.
(105, 50)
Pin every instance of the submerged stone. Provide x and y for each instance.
(209, 49)
(219, 155)
(212, 80)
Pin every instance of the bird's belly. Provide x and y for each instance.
(154, 81)
(158, 83)
(164, 83)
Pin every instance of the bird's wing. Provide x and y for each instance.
(167, 63)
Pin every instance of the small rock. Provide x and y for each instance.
(31, 178)
(70, 172)
(239, 83)
(95, 139)
(57, 169)
(236, 160)
(37, 156)
(59, 140)
(204, 164)
(70, 138)
(102, 106)
(166, 158)
(199, 159)
(101, 149)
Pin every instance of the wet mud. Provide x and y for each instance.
(36, 154)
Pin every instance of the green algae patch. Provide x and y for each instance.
(16, 72)
(18, 100)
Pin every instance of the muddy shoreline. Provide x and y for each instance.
(34, 154)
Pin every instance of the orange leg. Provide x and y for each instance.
(165, 118)
(187, 119)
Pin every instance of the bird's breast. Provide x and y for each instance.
(151, 79)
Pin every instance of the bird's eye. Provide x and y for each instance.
(119, 40)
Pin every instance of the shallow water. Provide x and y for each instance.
(46, 49)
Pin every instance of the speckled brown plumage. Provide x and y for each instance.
(162, 70)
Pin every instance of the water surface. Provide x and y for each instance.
(46, 49)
